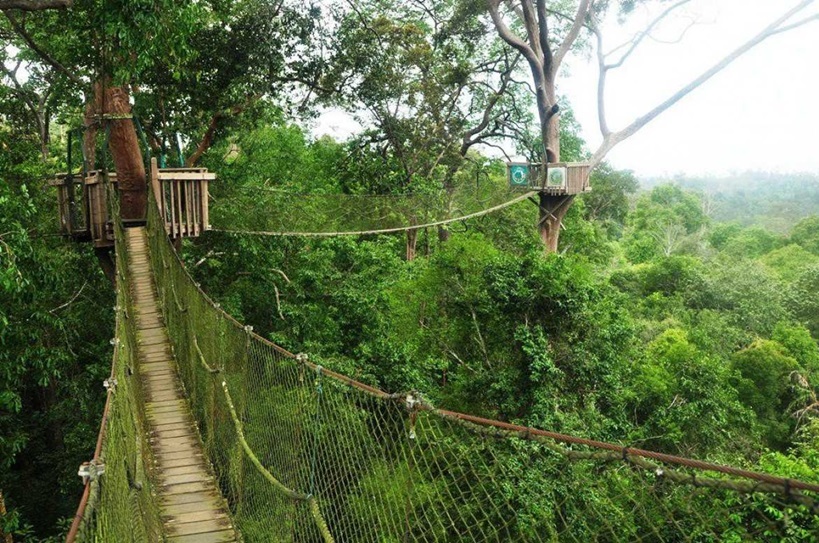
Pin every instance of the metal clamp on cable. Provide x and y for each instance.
(110, 384)
(91, 471)
(301, 358)
(410, 402)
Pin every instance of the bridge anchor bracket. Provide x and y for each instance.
(91, 471)
(110, 384)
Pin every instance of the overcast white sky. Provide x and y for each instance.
(761, 113)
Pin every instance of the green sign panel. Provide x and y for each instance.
(556, 177)
(518, 175)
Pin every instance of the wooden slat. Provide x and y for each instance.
(155, 185)
(172, 207)
(204, 200)
(178, 207)
(196, 205)
(205, 526)
(189, 207)
(224, 536)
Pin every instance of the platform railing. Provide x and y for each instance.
(181, 194)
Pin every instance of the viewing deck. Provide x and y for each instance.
(181, 194)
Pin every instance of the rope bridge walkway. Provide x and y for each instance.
(301, 453)
(189, 501)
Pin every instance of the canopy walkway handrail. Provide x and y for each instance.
(625, 452)
(397, 229)
(79, 516)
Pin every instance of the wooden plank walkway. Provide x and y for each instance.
(192, 508)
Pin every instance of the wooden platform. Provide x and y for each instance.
(192, 508)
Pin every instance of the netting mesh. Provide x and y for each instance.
(260, 209)
(304, 454)
(121, 506)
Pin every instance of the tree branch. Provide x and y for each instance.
(207, 138)
(571, 37)
(797, 24)
(642, 35)
(509, 37)
(601, 84)
(18, 28)
(612, 139)
(532, 28)
(18, 88)
(34, 5)
(469, 137)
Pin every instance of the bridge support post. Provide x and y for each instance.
(107, 261)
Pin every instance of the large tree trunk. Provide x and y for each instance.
(552, 208)
(412, 241)
(127, 156)
(552, 211)
(111, 108)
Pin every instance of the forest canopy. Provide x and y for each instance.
(676, 314)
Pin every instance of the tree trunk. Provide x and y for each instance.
(412, 241)
(552, 211)
(444, 234)
(108, 264)
(127, 156)
(552, 208)
(111, 108)
(89, 138)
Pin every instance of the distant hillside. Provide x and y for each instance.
(770, 200)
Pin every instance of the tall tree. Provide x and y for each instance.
(205, 61)
(544, 33)
(429, 83)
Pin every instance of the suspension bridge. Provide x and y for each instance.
(211, 433)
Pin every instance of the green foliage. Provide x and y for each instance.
(428, 81)
(803, 300)
(608, 202)
(665, 221)
(683, 399)
(805, 233)
(277, 156)
(797, 343)
(752, 298)
(789, 261)
(750, 243)
(54, 330)
(764, 384)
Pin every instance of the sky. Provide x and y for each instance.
(760, 113)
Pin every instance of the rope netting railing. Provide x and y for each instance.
(117, 502)
(270, 212)
(305, 454)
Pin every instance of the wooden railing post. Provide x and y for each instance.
(157, 188)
